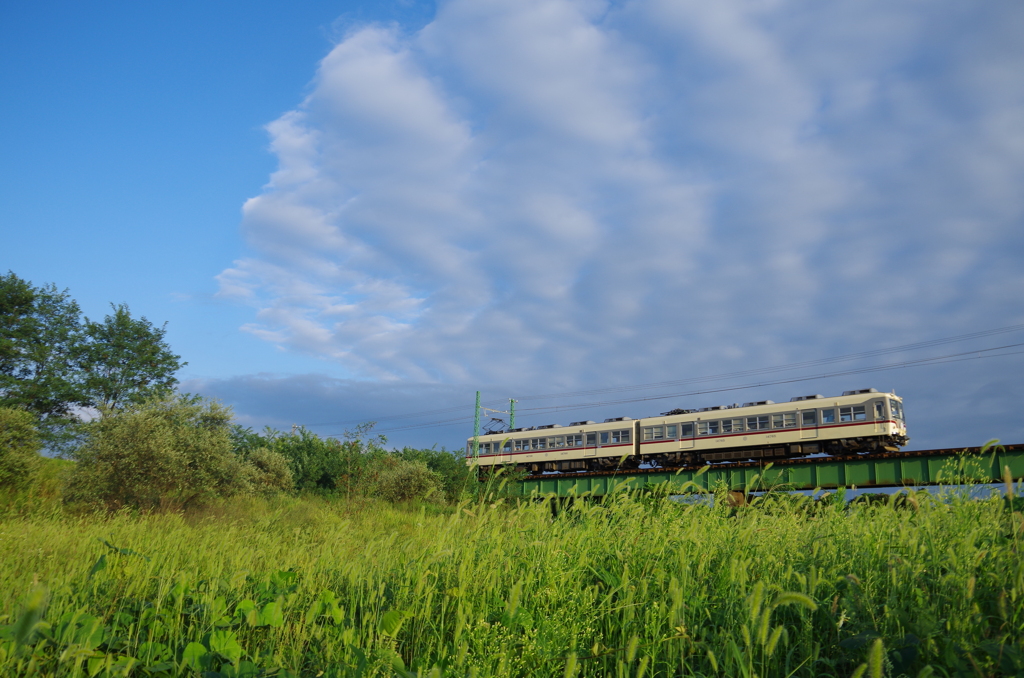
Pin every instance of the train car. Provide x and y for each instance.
(855, 422)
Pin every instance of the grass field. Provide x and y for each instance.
(631, 587)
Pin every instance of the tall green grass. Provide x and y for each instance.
(632, 586)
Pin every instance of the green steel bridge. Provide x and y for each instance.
(883, 469)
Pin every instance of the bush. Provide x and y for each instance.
(268, 472)
(169, 453)
(359, 465)
(19, 447)
(317, 464)
(400, 480)
(452, 470)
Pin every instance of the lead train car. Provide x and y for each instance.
(857, 421)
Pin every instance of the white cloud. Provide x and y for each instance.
(561, 193)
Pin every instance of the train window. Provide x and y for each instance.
(519, 444)
(828, 416)
(620, 436)
(485, 448)
(686, 430)
(757, 423)
(539, 443)
(732, 426)
(855, 413)
(708, 428)
(670, 431)
(897, 409)
(808, 418)
(558, 441)
(787, 420)
(508, 446)
(575, 440)
(591, 439)
(604, 437)
(654, 433)
(879, 411)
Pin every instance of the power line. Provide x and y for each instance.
(950, 358)
(787, 367)
(954, 357)
(691, 380)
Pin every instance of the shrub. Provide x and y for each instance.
(168, 452)
(19, 447)
(317, 464)
(400, 480)
(269, 472)
(451, 469)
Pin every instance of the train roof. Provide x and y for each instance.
(722, 410)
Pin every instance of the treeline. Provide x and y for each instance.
(182, 451)
(55, 364)
(144, 446)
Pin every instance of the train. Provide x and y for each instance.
(856, 422)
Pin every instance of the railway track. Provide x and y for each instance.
(781, 462)
(878, 469)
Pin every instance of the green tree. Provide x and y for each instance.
(454, 474)
(41, 343)
(19, 447)
(396, 480)
(127, 360)
(164, 453)
(269, 472)
(317, 464)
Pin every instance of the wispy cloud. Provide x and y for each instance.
(566, 192)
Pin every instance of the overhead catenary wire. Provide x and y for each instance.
(690, 380)
(789, 366)
(944, 359)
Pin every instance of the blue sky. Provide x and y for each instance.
(350, 211)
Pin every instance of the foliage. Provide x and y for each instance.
(127, 360)
(455, 476)
(359, 465)
(52, 364)
(19, 447)
(43, 493)
(40, 348)
(315, 586)
(398, 480)
(268, 472)
(316, 463)
(163, 453)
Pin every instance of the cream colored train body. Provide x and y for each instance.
(857, 421)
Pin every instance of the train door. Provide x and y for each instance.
(809, 424)
(685, 436)
(506, 452)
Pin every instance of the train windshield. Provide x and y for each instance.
(897, 409)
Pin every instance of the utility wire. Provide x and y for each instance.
(781, 368)
(950, 358)
(697, 380)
